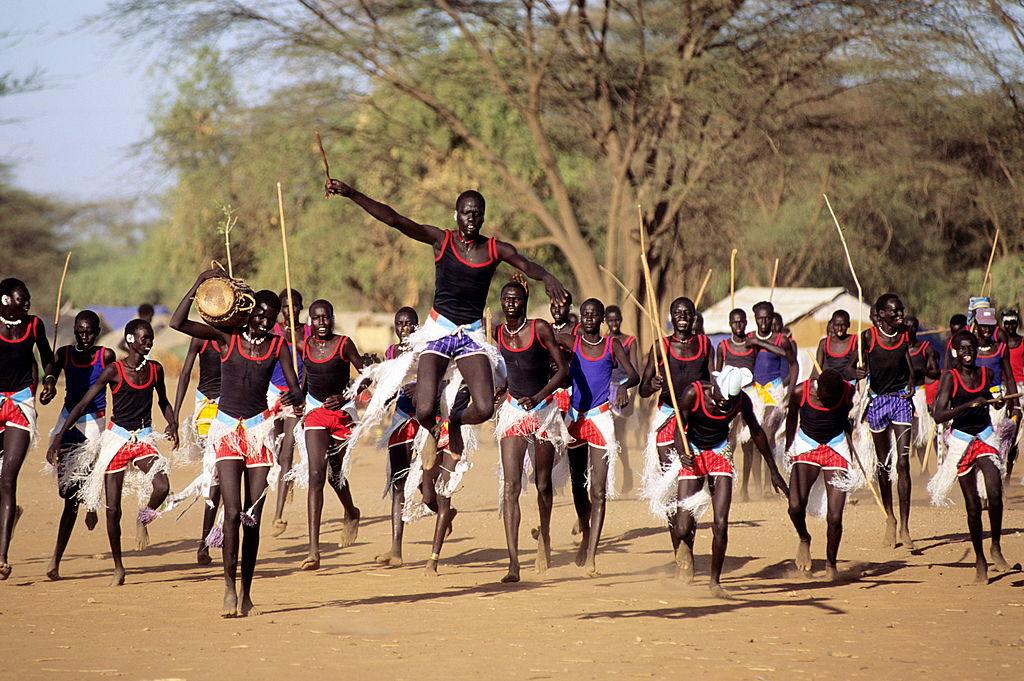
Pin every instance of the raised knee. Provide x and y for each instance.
(161, 486)
(486, 408)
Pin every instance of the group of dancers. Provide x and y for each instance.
(560, 394)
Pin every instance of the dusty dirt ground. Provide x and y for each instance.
(896, 615)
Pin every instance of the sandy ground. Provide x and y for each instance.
(897, 615)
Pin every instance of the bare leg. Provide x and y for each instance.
(972, 502)
(751, 464)
(401, 460)
(542, 466)
(343, 490)
(882, 444)
(316, 446)
(513, 452)
(598, 494)
(476, 371)
(686, 529)
(994, 491)
(664, 455)
(445, 514)
(285, 458)
(112, 483)
(230, 475)
(721, 500)
(622, 435)
(801, 479)
(209, 518)
(578, 464)
(66, 525)
(834, 523)
(15, 446)
(256, 482)
(903, 482)
(161, 487)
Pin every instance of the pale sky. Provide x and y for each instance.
(73, 136)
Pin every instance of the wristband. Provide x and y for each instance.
(624, 381)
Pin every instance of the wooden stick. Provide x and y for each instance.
(928, 448)
(488, 322)
(658, 333)
(700, 292)
(288, 283)
(988, 268)
(629, 294)
(860, 345)
(323, 155)
(775, 273)
(228, 226)
(732, 280)
(814, 360)
(60, 293)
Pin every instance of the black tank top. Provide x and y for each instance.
(528, 367)
(16, 358)
(209, 369)
(686, 370)
(843, 362)
(704, 429)
(975, 419)
(244, 380)
(329, 376)
(731, 357)
(461, 287)
(133, 404)
(887, 364)
(820, 424)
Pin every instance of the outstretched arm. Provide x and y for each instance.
(509, 254)
(428, 234)
(185, 376)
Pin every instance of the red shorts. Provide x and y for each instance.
(132, 452)
(930, 391)
(232, 448)
(707, 463)
(11, 414)
(405, 433)
(825, 457)
(336, 422)
(584, 431)
(667, 433)
(975, 451)
(563, 398)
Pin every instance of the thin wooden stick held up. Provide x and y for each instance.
(625, 289)
(732, 279)
(988, 268)
(775, 274)
(60, 293)
(658, 333)
(703, 287)
(288, 282)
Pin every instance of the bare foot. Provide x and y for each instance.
(513, 575)
(998, 562)
(684, 562)
(248, 609)
(889, 540)
(278, 528)
(53, 573)
(230, 607)
(535, 533)
(590, 567)
(349, 530)
(390, 559)
(90, 520)
(431, 568)
(831, 573)
(118, 577)
(744, 495)
(203, 555)
(540, 566)
(141, 537)
(581, 555)
(718, 592)
(5, 571)
(312, 562)
(981, 572)
(803, 555)
(906, 541)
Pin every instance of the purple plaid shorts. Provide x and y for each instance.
(889, 409)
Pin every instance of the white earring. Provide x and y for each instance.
(6, 300)
(130, 338)
(455, 216)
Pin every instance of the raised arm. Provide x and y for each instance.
(165, 406)
(185, 377)
(382, 212)
(180, 321)
(509, 254)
